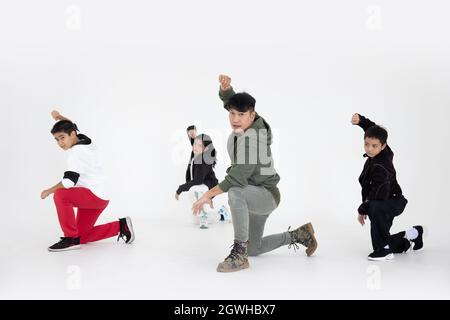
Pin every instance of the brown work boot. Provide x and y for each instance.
(305, 236)
(236, 260)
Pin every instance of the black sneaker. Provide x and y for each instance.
(383, 254)
(126, 230)
(65, 244)
(418, 242)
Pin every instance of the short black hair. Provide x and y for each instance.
(377, 132)
(65, 126)
(241, 102)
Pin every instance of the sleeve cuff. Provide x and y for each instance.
(67, 183)
(72, 177)
(225, 186)
(363, 208)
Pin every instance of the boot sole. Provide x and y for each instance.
(65, 249)
(245, 266)
(313, 247)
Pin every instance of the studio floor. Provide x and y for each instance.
(173, 259)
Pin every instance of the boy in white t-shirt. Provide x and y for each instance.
(83, 186)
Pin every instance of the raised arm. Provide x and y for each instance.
(226, 90)
(362, 121)
(57, 116)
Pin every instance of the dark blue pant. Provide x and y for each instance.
(381, 215)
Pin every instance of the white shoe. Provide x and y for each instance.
(204, 221)
(224, 214)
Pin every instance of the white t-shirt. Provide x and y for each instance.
(84, 169)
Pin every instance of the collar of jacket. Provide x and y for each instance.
(83, 140)
(383, 153)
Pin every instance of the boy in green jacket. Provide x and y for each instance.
(251, 183)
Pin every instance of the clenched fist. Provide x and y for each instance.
(225, 82)
(356, 119)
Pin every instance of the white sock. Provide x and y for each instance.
(411, 234)
(387, 246)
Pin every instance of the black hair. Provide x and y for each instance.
(65, 126)
(191, 128)
(377, 132)
(211, 155)
(241, 102)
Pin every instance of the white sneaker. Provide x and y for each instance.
(204, 221)
(224, 214)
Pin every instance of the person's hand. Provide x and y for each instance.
(362, 218)
(198, 206)
(45, 194)
(177, 196)
(355, 119)
(56, 115)
(225, 82)
(192, 133)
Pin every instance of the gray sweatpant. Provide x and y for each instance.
(250, 207)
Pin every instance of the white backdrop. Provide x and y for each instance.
(134, 74)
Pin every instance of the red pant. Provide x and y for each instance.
(89, 209)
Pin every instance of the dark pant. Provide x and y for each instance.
(381, 215)
(398, 243)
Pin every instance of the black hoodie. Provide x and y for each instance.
(202, 173)
(378, 178)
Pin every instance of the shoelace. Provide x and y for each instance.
(234, 254)
(121, 234)
(293, 244)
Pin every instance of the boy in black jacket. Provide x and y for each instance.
(382, 196)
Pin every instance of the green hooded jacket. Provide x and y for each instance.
(251, 156)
